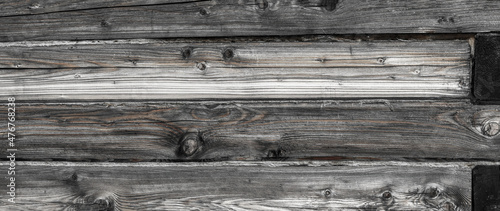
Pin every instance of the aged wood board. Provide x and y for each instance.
(166, 70)
(259, 130)
(241, 186)
(91, 19)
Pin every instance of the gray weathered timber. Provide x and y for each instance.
(239, 186)
(161, 70)
(29, 7)
(253, 130)
(249, 18)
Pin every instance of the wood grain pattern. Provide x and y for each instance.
(250, 18)
(269, 130)
(30, 7)
(239, 186)
(154, 69)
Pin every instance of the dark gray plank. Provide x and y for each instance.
(239, 130)
(29, 7)
(487, 68)
(486, 188)
(161, 70)
(239, 186)
(252, 18)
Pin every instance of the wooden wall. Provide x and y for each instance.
(250, 105)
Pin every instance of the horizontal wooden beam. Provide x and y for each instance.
(161, 70)
(238, 186)
(242, 130)
(61, 20)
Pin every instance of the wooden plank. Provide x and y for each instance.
(239, 186)
(28, 7)
(487, 68)
(161, 70)
(486, 188)
(243, 130)
(251, 18)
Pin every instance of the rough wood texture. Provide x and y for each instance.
(487, 68)
(486, 188)
(30, 7)
(240, 186)
(214, 130)
(153, 69)
(245, 18)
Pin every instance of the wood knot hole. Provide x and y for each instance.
(327, 192)
(190, 143)
(203, 12)
(381, 60)
(186, 52)
(262, 4)
(228, 54)
(490, 128)
(201, 66)
(105, 23)
(434, 193)
(103, 204)
(387, 195)
(329, 5)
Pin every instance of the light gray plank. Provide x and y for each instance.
(242, 130)
(160, 70)
(250, 18)
(239, 186)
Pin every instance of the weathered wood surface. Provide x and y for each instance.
(112, 20)
(239, 186)
(232, 130)
(487, 68)
(486, 188)
(161, 70)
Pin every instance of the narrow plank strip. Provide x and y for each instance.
(29, 7)
(158, 70)
(239, 186)
(255, 18)
(486, 187)
(232, 130)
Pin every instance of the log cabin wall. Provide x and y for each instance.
(250, 105)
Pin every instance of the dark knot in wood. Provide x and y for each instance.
(329, 5)
(203, 12)
(228, 54)
(190, 143)
(262, 4)
(186, 52)
(201, 66)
